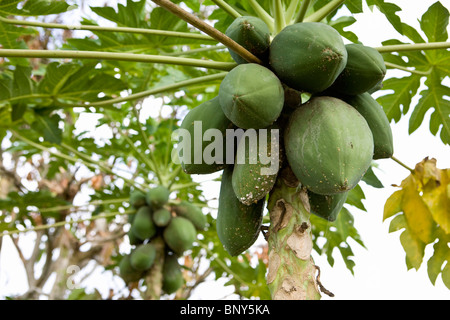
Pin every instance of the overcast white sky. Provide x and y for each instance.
(380, 271)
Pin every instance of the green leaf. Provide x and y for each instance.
(371, 179)
(398, 102)
(33, 7)
(355, 197)
(434, 23)
(433, 97)
(390, 11)
(48, 127)
(11, 37)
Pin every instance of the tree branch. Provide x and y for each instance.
(211, 31)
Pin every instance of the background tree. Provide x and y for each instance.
(69, 185)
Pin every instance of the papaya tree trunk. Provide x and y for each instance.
(154, 279)
(291, 274)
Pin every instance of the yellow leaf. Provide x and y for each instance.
(393, 204)
(418, 216)
(427, 173)
(438, 201)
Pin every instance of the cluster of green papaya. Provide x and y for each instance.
(329, 140)
(177, 224)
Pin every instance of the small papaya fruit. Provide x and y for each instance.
(137, 199)
(180, 235)
(143, 257)
(161, 217)
(327, 206)
(133, 239)
(308, 56)
(157, 197)
(257, 164)
(253, 34)
(206, 116)
(237, 224)
(251, 96)
(365, 68)
(329, 145)
(172, 276)
(143, 227)
(126, 270)
(378, 122)
(191, 212)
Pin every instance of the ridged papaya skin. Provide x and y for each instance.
(211, 116)
(251, 96)
(252, 179)
(378, 122)
(172, 276)
(237, 224)
(191, 212)
(143, 257)
(327, 206)
(364, 70)
(179, 235)
(329, 145)
(308, 56)
(251, 33)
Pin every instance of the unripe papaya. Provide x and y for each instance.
(308, 56)
(143, 227)
(180, 235)
(327, 206)
(172, 276)
(329, 145)
(237, 224)
(251, 33)
(364, 70)
(157, 197)
(256, 166)
(251, 96)
(126, 271)
(137, 199)
(191, 153)
(161, 217)
(192, 213)
(143, 257)
(378, 122)
(133, 239)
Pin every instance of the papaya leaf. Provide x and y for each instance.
(371, 179)
(48, 127)
(420, 208)
(390, 11)
(433, 97)
(434, 23)
(33, 7)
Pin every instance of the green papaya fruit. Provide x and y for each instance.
(329, 145)
(237, 224)
(251, 33)
(126, 270)
(162, 217)
(251, 96)
(364, 70)
(133, 239)
(143, 227)
(143, 257)
(308, 56)
(206, 116)
(180, 235)
(257, 164)
(137, 199)
(327, 206)
(378, 122)
(172, 275)
(157, 197)
(191, 212)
